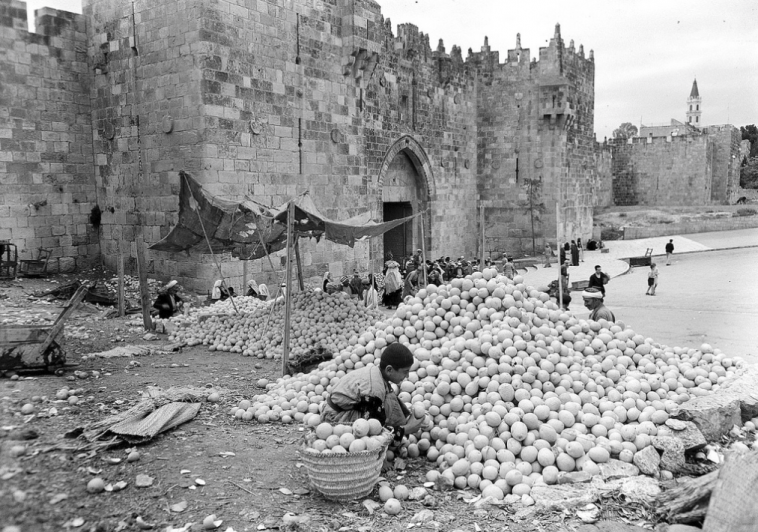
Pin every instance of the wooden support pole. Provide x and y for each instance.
(244, 277)
(120, 268)
(288, 284)
(560, 264)
(144, 290)
(481, 225)
(299, 264)
(423, 249)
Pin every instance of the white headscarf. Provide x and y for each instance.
(263, 290)
(392, 280)
(216, 293)
(252, 284)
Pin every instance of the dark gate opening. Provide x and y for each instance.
(399, 240)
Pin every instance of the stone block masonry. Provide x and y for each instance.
(699, 168)
(270, 99)
(47, 188)
(663, 171)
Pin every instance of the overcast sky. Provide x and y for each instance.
(647, 52)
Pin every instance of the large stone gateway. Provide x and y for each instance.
(405, 190)
(271, 99)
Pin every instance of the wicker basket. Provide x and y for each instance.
(345, 476)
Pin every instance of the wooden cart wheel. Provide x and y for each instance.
(60, 372)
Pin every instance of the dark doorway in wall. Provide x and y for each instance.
(400, 239)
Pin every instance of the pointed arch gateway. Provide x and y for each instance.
(406, 185)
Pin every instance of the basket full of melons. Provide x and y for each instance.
(344, 461)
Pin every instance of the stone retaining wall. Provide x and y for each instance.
(699, 226)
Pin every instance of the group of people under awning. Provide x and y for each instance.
(169, 303)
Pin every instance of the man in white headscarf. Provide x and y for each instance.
(593, 300)
(371, 296)
(263, 291)
(219, 293)
(393, 284)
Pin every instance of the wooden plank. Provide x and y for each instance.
(676, 504)
(23, 334)
(57, 327)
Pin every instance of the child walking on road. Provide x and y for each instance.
(652, 280)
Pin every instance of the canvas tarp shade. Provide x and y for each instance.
(234, 227)
(230, 226)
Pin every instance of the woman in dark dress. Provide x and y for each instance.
(574, 254)
(168, 302)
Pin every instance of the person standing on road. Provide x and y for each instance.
(565, 273)
(594, 301)
(652, 280)
(574, 254)
(669, 251)
(548, 255)
(599, 279)
(509, 269)
(581, 249)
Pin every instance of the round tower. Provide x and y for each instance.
(694, 103)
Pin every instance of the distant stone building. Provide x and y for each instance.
(99, 112)
(682, 163)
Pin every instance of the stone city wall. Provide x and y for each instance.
(47, 192)
(271, 100)
(663, 171)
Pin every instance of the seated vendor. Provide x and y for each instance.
(367, 393)
(252, 289)
(219, 292)
(168, 303)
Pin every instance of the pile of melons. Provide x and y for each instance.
(518, 389)
(318, 320)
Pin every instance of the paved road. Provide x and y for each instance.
(709, 297)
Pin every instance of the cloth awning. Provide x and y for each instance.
(209, 223)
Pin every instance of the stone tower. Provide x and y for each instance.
(694, 103)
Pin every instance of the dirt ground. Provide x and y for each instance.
(252, 477)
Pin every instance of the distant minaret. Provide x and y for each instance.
(693, 106)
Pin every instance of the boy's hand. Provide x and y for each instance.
(413, 425)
